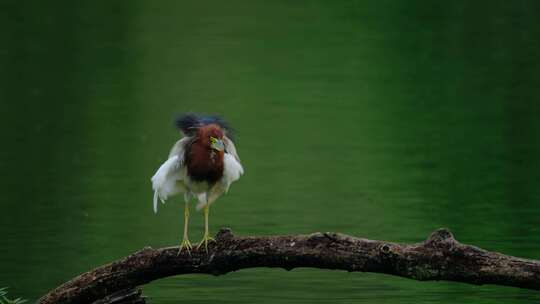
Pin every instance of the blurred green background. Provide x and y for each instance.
(380, 119)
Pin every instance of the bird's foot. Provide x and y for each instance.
(186, 244)
(206, 238)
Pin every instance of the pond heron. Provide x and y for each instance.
(201, 165)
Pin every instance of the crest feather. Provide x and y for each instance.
(190, 122)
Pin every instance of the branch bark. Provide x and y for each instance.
(440, 257)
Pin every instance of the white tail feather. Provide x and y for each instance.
(155, 201)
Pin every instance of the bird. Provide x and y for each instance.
(201, 165)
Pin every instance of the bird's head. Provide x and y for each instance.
(216, 144)
(212, 136)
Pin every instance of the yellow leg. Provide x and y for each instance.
(185, 241)
(206, 238)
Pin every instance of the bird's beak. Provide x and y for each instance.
(216, 144)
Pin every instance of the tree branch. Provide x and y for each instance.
(440, 257)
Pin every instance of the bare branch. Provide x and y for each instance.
(440, 257)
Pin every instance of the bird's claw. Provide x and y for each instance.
(186, 244)
(206, 238)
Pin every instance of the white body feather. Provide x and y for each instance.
(171, 178)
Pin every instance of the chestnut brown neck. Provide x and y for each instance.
(203, 162)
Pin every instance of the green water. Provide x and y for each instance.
(380, 119)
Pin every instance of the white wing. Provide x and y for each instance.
(168, 178)
(230, 148)
(232, 170)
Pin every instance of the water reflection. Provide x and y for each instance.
(382, 120)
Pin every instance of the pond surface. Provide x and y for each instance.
(380, 119)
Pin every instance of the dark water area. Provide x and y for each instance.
(379, 119)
